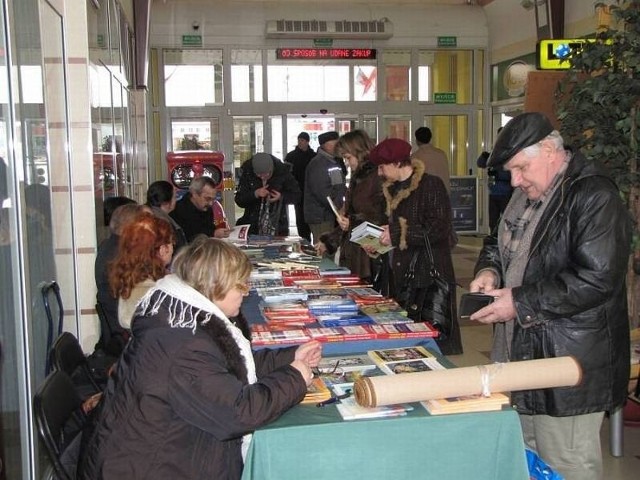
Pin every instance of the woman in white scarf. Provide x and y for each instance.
(189, 390)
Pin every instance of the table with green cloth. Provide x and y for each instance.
(315, 443)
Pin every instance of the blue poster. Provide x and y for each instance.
(464, 203)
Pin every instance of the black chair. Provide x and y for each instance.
(67, 355)
(60, 419)
(46, 289)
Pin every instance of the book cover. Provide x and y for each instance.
(347, 363)
(292, 275)
(282, 294)
(239, 234)
(342, 320)
(405, 360)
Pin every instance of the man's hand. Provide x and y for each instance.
(485, 281)
(343, 222)
(385, 237)
(262, 192)
(274, 196)
(501, 309)
(221, 232)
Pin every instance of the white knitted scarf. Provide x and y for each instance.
(185, 304)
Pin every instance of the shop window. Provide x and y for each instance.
(193, 78)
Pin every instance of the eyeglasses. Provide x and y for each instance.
(243, 288)
(332, 370)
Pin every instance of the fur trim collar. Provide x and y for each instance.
(393, 200)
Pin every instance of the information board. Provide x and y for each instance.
(464, 203)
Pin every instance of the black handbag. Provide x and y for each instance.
(430, 303)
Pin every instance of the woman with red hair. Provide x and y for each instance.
(144, 251)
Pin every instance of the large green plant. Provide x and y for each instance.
(599, 109)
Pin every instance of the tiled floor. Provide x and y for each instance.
(476, 339)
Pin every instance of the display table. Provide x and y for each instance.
(314, 443)
(251, 312)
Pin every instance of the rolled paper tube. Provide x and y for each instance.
(456, 382)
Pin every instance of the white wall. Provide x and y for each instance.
(243, 22)
(512, 30)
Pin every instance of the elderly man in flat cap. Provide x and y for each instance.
(324, 178)
(265, 189)
(557, 267)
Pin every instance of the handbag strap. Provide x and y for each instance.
(427, 246)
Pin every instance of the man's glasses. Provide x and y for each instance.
(332, 370)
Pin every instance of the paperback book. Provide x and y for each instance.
(405, 360)
(468, 403)
(350, 410)
(368, 234)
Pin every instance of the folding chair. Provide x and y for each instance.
(60, 419)
(67, 355)
(46, 288)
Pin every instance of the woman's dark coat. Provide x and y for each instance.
(415, 206)
(364, 202)
(179, 403)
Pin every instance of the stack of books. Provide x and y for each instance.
(368, 234)
(418, 359)
(317, 392)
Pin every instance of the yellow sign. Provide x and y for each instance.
(554, 54)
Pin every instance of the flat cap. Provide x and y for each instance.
(391, 150)
(262, 163)
(520, 132)
(327, 136)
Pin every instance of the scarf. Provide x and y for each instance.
(185, 304)
(517, 227)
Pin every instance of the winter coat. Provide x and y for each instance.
(179, 403)
(194, 222)
(415, 206)
(324, 178)
(573, 296)
(364, 202)
(282, 181)
(299, 159)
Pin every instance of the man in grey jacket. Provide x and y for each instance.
(324, 178)
(557, 267)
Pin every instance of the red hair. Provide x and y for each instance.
(138, 254)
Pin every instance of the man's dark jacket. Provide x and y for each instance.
(193, 221)
(281, 180)
(573, 296)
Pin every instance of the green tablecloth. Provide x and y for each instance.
(314, 443)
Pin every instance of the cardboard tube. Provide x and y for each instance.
(456, 382)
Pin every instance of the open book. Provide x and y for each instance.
(239, 234)
(368, 234)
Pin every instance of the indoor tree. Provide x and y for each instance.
(599, 109)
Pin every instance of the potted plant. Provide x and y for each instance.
(599, 109)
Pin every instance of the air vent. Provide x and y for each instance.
(370, 29)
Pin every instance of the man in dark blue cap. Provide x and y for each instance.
(557, 265)
(324, 178)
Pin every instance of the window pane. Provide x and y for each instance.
(397, 71)
(193, 78)
(365, 83)
(190, 135)
(246, 75)
(308, 83)
(397, 126)
(451, 72)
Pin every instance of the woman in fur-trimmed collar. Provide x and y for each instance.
(188, 390)
(417, 204)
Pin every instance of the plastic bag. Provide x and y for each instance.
(538, 469)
